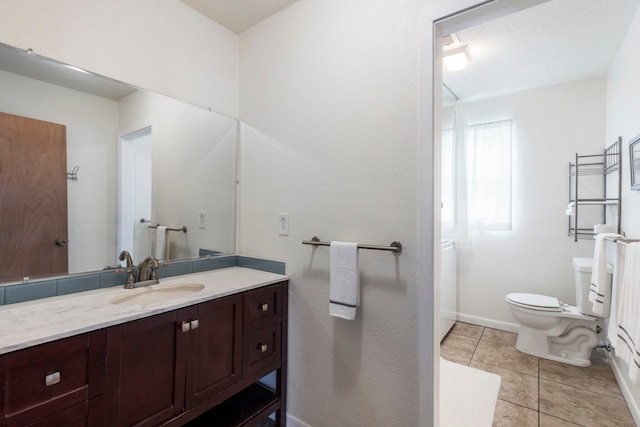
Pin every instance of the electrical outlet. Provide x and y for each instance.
(202, 219)
(283, 224)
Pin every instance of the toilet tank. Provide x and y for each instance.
(582, 273)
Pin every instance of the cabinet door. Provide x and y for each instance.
(145, 371)
(215, 348)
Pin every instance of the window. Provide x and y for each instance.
(489, 175)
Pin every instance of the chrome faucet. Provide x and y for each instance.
(125, 255)
(143, 270)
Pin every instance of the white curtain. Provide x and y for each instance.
(489, 175)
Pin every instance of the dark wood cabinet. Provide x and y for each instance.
(195, 366)
(146, 361)
(50, 383)
(264, 350)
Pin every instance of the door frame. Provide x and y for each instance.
(439, 19)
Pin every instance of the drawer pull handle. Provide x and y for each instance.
(194, 324)
(262, 348)
(52, 379)
(264, 307)
(185, 326)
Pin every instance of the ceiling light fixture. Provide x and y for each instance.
(456, 58)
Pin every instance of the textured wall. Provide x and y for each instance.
(329, 110)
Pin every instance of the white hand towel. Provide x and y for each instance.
(618, 269)
(161, 243)
(628, 315)
(344, 289)
(571, 209)
(599, 289)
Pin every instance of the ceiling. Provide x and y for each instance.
(554, 42)
(237, 15)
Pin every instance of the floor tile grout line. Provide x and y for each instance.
(507, 369)
(539, 420)
(476, 348)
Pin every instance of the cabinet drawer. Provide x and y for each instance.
(262, 306)
(262, 350)
(76, 416)
(42, 380)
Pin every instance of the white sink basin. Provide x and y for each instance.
(156, 293)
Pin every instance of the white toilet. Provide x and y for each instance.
(557, 331)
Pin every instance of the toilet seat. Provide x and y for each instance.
(535, 302)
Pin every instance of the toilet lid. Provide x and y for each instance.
(535, 301)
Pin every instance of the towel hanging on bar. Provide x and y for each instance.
(393, 247)
(344, 287)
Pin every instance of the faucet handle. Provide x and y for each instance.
(130, 278)
(154, 272)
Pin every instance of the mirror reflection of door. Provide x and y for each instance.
(136, 188)
(33, 198)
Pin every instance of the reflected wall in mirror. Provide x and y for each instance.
(188, 180)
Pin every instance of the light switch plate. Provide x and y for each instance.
(283, 224)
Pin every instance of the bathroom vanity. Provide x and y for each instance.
(102, 358)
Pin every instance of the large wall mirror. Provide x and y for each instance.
(140, 171)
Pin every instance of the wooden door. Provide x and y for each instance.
(215, 349)
(33, 198)
(145, 371)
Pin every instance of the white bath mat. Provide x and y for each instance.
(467, 396)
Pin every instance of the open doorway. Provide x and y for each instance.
(552, 118)
(135, 193)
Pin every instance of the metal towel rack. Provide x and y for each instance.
(183, 229)
(621, 240)
(393, 247)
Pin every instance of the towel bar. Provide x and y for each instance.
(183, 229)
(621, 240)
(393, 247)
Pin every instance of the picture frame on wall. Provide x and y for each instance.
(634, 162)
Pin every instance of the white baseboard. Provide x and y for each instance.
(294, 422)
(489, 323)
(632, 404)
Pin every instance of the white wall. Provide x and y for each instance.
(161, 45)
(91, 124)
(623, 110)
(550, 125)
(329, 110)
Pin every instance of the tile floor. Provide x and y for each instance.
(537, 392)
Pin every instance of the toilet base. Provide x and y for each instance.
(573, 347)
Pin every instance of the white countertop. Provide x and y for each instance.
(35, 322)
